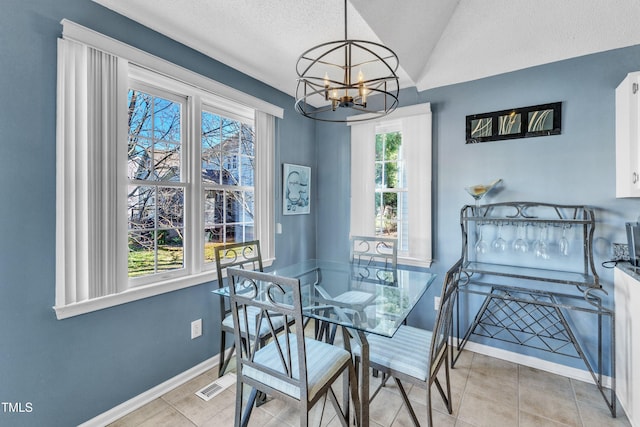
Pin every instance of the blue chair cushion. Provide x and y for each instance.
(355, 297)
(253, 313)
(323, 361)
(406, 352)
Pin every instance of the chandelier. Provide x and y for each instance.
(345, 74)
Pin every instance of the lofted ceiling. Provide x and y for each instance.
(438, 42)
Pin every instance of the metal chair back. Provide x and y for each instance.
(273, 296)
(374, 260)
(245, 255)
(442, 328)
(416, 355)
(290, 367)
(369, 250)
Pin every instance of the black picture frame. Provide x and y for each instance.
(525, 122)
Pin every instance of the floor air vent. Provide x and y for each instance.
(216, 387)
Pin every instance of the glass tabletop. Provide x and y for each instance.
(369, 298)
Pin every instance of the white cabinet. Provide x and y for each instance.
(628, 137)
(627, 312)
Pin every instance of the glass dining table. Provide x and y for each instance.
(361, 298)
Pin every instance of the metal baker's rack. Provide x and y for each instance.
(532, 266)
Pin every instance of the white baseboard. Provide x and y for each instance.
(534, 362)
(142, 399)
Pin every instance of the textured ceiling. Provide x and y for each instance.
(439, 42)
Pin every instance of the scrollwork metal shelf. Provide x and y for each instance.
(521, 303)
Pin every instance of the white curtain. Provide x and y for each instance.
(363, 138)
(90, 86)
(264, 185)
(417, 129)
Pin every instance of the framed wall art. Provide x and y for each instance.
(296, 189)
(525, 122)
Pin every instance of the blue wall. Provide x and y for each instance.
(75, 369)
(72, 370)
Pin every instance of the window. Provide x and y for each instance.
(391, 190)
(155, 166)
(391, 181)
(228, 176)
(157, 185)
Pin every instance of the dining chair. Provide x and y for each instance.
(245, 255)
(291, 366)
(415, 355)
(368, 250)
(373, 261)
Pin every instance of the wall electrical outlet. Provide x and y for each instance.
(436, 303)
(196, 328)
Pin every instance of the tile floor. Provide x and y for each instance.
(486, 392)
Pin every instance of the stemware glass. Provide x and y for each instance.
(499, 244)
(563, 243)
(520, 244)
(481, 245)
(541, 244)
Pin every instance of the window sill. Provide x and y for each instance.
(414, 262)
(137, 293)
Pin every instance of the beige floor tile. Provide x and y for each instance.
(403, 418)
(596, 416)
(494, 384)
(546, 382)
(169, 417)
(495, 367)
(419, 394)
(258, 418)
(222, 419)
(385, 407)
(324, 411)
(464, 360)
(289, 416)
(533, 420)
(550, 404)
(588, 393)
(274, 407)
(275, 422)
(142, 414)
(460, 423)
(481, 409)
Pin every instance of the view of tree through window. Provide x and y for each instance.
(228, 166)
(390, 187)
(156, 189)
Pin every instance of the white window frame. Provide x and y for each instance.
(91, 276)
(415, 124)
(156, 87)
